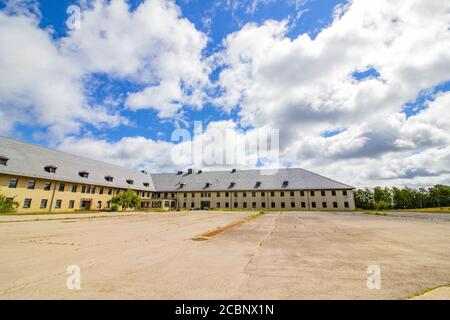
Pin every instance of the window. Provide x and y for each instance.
(292, 193)
(83, 189)
(31, 184)
(335, 204)
(263, 204)
(263, 194)
(102, 190)
(333, 192)
(173, 195)
(292, 204)
(282, 194)
(244, 204)
(185, 195)
(235, 194)
(218, 194)
(313, 204)
(93, 190)
(165, 194)
(244, 194)
(110, 191)
(283, 205)
(235, 204)
(43, 204)
(61, 187)
(129, 181)
(346, 204)
(322, 193)
(50, 169)
(146, 184)
(324, 204)
(184, 204)
(303, 204)
(192, 205)
(344, 192)
(302, 193)
(253, 194)
(99, 204)
(58, 204)
(26, 203)
(71, 204)
(193, 195)
(47, 186)
(3, 161)
(272, 204)
(218, 205)
(254, 205)
(74, 188)
(272, 194)
(109, 178)
(83, 174)
(227, 204)
(88, 189)
(227, 194)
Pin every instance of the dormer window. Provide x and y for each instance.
(50, 169)
(83, 174)
(146, 184)
(233, 170)
(258, 184)
(207, 185)
(144, 172)
(3, 161)
(285, 183)
(109, 178)
(199, 171)
(180, 172)
(130, 181)
(232, 184)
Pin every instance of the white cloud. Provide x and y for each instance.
(152, 45)
(305, 87)
(39, 85)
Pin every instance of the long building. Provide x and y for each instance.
(45, 180)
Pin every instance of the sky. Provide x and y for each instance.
(358, 91)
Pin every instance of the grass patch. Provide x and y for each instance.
(375, 213)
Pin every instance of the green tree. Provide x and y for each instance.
(6, 205)
(127, 199)
(364, 199)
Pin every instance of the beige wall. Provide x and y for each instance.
(21, 192)
(247, 199)
(217, 200)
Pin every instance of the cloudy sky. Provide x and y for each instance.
(359, 90)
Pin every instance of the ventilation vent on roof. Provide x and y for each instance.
(233, 170)
(83, 174)
(285, 183)
(109, 178)
(146, 184)
(258, 184)
(3, 161)
(50, 169)
(130, 181)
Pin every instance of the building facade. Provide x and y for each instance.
(44, 180)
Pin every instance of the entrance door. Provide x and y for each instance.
(205, 205)
(85, 204)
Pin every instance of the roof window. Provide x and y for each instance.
(129, 181)
(50, 169)
(3, 161)
(83, 174)
(109, 178)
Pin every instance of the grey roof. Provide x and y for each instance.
(297, 179)
(29, 160)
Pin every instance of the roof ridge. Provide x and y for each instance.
(67, 153)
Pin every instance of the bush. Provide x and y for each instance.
(114, 207)
(7, 205)
(381, 205)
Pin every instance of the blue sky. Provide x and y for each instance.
(344, 82)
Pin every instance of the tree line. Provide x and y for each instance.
(402, 198)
